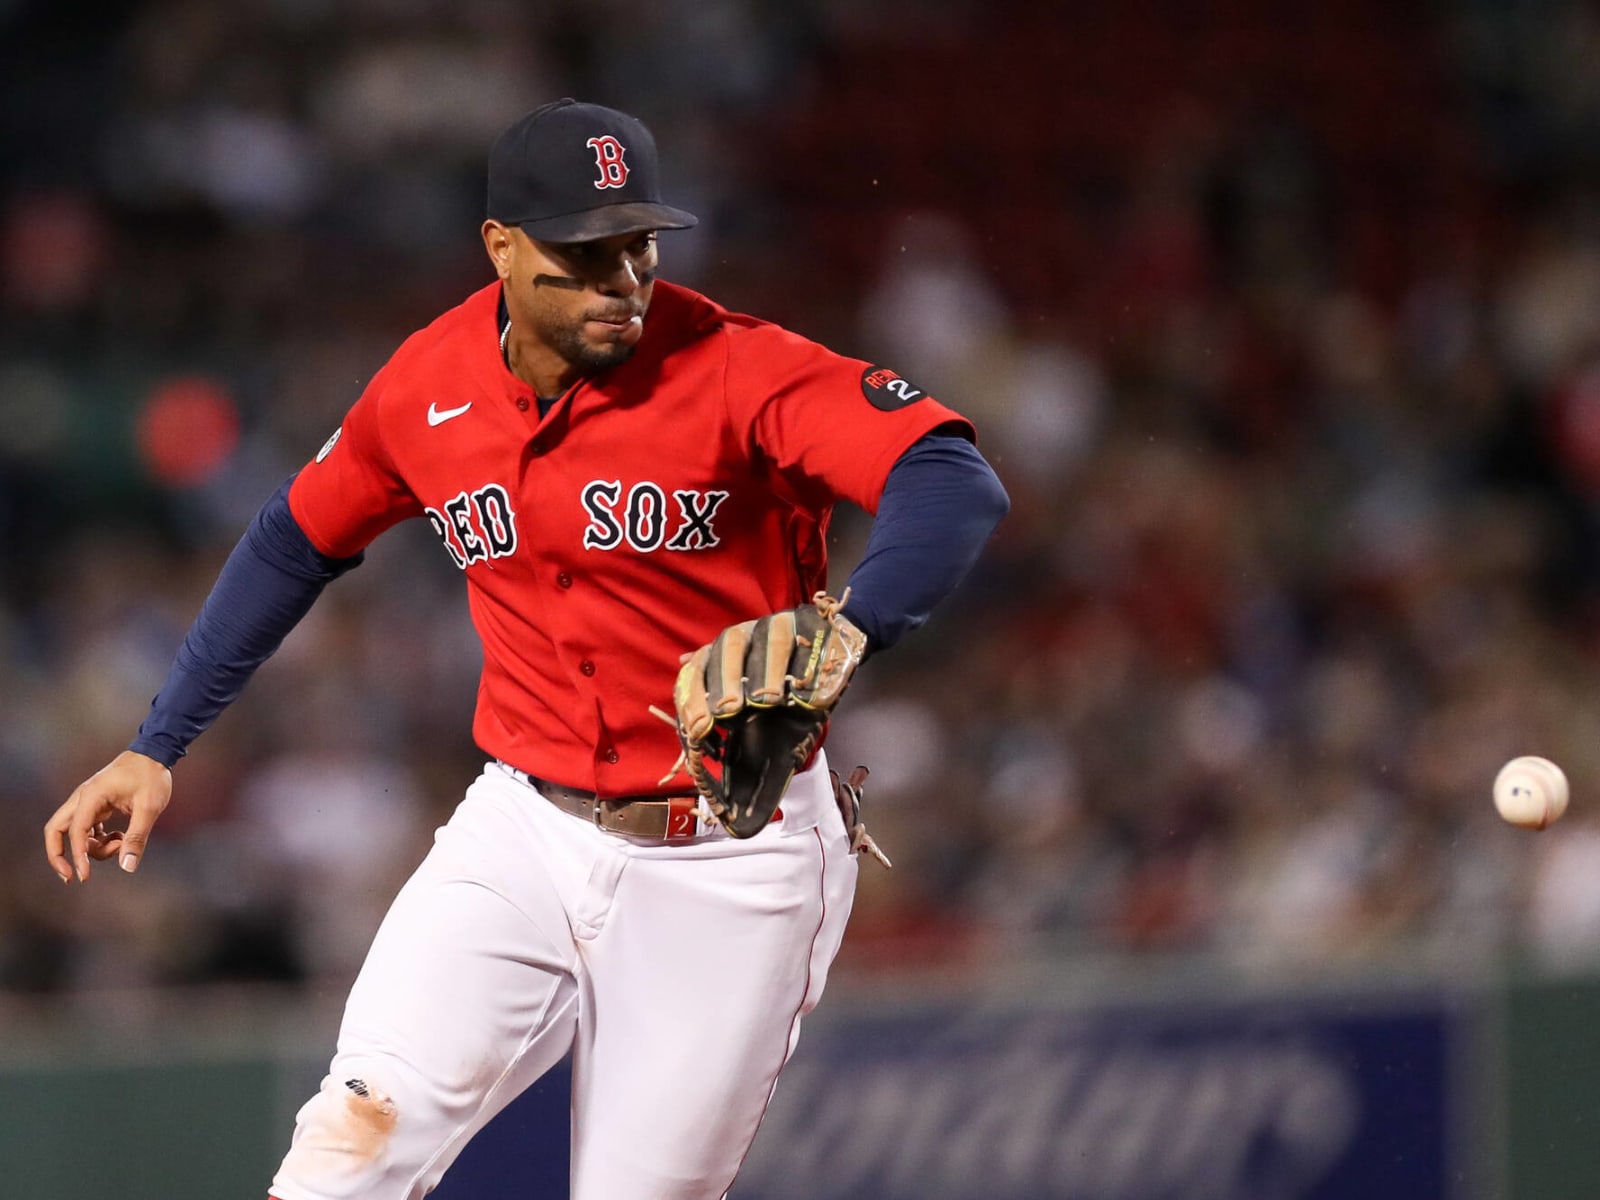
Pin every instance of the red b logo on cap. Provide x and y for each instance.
(608, 157)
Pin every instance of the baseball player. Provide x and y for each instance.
(624, 472)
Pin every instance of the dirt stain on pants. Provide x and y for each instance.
(344, 1131)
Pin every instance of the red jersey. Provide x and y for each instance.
(683, 491)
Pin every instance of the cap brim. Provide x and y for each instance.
(609, 221)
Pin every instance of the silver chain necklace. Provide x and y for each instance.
(504, 334)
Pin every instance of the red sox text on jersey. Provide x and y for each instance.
(693, 483)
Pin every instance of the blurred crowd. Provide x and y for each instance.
(1282, 328)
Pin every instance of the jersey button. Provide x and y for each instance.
(523, 404)
(564, 579)
(612, 756)
(538, 449)
(586, 667)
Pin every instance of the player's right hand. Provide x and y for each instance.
(131, 785)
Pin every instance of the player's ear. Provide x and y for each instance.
(498, 241)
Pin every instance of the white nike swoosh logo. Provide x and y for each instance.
(435, 417)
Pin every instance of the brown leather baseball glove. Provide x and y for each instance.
(753, 703)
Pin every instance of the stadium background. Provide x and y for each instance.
(1280, 321)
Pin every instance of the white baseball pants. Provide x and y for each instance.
(676, 974)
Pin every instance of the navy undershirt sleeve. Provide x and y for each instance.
(940, 503)
(267, 585)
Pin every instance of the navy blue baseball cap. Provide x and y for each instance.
(572, 172)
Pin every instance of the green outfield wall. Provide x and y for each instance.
(1552, 1089)
(146, 1130)
(1455, 1089)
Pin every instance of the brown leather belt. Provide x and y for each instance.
(657, 818)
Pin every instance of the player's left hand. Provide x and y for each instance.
(755, 701)
(132, 786)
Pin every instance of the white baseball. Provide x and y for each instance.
(1531, 792)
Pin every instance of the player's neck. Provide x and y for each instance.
(546, 372)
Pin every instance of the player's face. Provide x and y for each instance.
(581, 304)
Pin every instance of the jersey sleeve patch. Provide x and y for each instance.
(886, 391)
